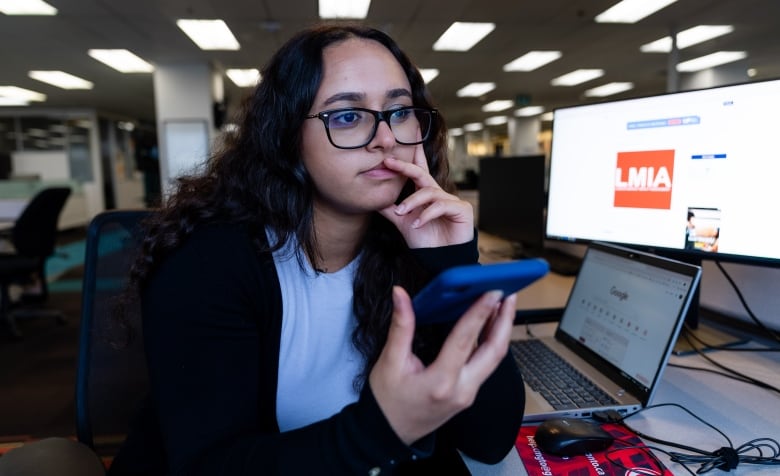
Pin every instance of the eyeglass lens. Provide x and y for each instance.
(356, 128)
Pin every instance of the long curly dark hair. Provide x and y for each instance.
(257, 178)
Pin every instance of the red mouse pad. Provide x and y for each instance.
(627, 456)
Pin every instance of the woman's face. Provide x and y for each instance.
(356, 73)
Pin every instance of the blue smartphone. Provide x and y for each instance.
(453, 291)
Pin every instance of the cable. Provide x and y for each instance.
(739, 376)
(759, 451)
(755, 319)
(528, 332)
(716, 372)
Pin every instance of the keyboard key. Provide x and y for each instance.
(555, 380)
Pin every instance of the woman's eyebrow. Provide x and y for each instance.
(346, 96)
(357, 97)
(398, 93)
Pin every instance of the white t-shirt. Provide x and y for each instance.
(317, 361)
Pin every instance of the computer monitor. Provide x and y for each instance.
(512, 199)
(690, 174)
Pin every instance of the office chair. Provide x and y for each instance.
(33, 236)
(111, 375)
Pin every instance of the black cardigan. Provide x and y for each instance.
(212, 318)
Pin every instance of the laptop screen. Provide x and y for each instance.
(627, 311)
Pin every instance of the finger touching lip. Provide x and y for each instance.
(380, 171)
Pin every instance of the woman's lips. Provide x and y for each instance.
(380, 172)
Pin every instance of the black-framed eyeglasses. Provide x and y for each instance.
(355, 127)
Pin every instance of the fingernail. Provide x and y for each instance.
(416, 223)
(401, 209)
(496, 295)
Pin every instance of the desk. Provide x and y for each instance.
(741, 411)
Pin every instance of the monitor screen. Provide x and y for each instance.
(693, 173)
(512, 199)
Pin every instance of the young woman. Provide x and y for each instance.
(275, 287)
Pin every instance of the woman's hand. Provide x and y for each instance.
(429, 217)
(416, 400)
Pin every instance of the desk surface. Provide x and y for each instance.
(742, 411)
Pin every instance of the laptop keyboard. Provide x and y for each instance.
(563, 386)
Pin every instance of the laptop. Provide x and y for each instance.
(624, 313)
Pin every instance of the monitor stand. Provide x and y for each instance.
(698, 337)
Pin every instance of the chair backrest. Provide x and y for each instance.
(111, 376)
(35, 231)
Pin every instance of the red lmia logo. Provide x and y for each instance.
(643, 179)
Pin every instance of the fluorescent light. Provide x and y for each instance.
(686, 38)
(209, 34)
(710, 61)
(577, 77)
(121, 60)
(37, 132)
(6, 101)
(532, 60)
(429, 74)
(26, 7)
(473, 127)
(357, 9)
(475, 89)
(496, 120)
(529, 111)
(499, 105)
(462, 36)
(631, 11)
(609, 89)
(61, 79)
(21, 93)
(547, 116)
(455, 131)
(244, 78)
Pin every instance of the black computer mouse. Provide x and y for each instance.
(571, 436)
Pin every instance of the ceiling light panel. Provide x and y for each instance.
(429, 74)
(475, 89)
(121, 60)
(577, 77)
(334, 9)
(455, 131)
(496, 120)
(710, 61)
(462, 36)
(532, 60)
(6, 101)
(26, 7)
(244, 78)
(21, 93)
(499, 105)
(209, 34)
(609, 89)
(61, 79)
(631, 11)
(686, 38)
(529, 111)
